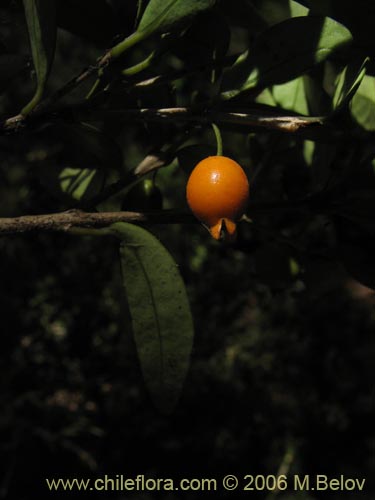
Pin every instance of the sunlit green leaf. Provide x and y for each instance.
(275, 11)
(308, 151)
(76, 182)
(284, 52)
(291, 96)
(348, 83)
(162, 15)
(41, 23)
(161, 317)
(363, 103)
(265, 97)
(69, 183)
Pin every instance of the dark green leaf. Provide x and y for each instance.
(285, 51)
(160, 311)
(348, 82)
(162, 15)
(41, 22)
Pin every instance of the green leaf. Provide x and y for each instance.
(162, 15)
(74, 159)
(70, 183)
(265, 97)
(363, 103)
(348, 83)
(284, 52)
(80, 184)
(357, 16)
(161, 317)
(308, 152)
(291, 96)
(41, 23)
(275, 11)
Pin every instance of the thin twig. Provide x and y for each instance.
(69, 219)
(249, 119)
(65, 221)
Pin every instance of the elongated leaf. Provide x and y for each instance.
(161, 318)
(41, 23)
(162, 15)
(285, 51)
(70, 183)
(80, 184)
(348, 82)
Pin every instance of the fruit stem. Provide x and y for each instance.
(219, 140)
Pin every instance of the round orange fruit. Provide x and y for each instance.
(217, 193)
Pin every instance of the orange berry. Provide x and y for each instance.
(217, 193)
